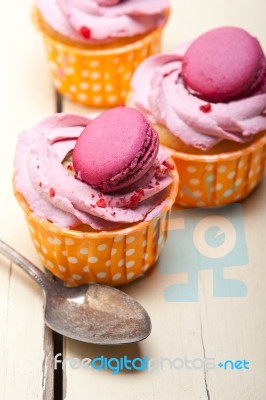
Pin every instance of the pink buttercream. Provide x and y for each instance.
(54, 194)
(158, 90)
(107, 2)
(105, 20)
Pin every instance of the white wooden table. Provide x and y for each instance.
(219, 328)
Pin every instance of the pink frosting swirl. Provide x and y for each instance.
(107, 3)
(103, 20)
(159, 92)
(54, 194)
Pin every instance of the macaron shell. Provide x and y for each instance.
(141, 164)
(118, 143)
(223, 64)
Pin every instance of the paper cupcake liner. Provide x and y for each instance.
(113, 258)
(214, 180)
(98, 78)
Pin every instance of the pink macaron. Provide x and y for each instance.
(115, 150)
(224, 64)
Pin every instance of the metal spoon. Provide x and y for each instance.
(93, 313)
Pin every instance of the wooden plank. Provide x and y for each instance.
(26, 96)
(48, 365)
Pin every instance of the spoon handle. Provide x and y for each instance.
(25, 264)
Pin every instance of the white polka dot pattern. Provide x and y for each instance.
(101, 275)
(84, 250)
(99, 78)
(117, 276)
(69, 242)
(102, 247)
(37, 244)
(121, 263)
(220, 179)
(76, 277)
(130, 239)
(44, 250)
(93, 260)
(72, 260)
(130, 252)
(130, 275)
(50, 264)
(54, 240)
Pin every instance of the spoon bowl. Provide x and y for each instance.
(96, 314)
(91, 313)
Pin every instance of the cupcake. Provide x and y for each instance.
(96, 193)
(94, 46)
(207, 99)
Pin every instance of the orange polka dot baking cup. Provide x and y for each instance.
(96, 77)
(213, 180)
(113, 258)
